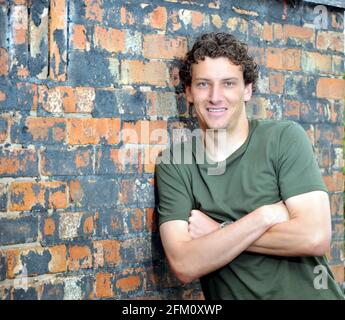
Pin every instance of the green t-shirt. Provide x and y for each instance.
(275, 162)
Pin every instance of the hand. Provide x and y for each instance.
(199, 224)
(275, 213)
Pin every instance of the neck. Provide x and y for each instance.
(221, 143)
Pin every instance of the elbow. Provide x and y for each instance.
(319, 244)
(182, 273)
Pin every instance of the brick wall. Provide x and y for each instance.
(76, 223)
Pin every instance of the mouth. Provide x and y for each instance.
(216, 110)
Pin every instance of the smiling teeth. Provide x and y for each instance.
(216, 110)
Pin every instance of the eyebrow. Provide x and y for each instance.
(226, 79)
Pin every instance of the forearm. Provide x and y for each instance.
(286, 239)
(201, 256)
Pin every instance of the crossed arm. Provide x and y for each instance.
(301, 228)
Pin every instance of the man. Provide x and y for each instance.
(271, 189)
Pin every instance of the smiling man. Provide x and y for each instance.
(260, 229)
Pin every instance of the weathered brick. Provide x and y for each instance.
(67, 99)
(135, 71)
(129, 283)
(18, 230)
(80, 257)
(216, 20)
(276, 82)
(19, 17)
(94, 10)
(150, 156)
(4, 62)
(106, 253)
(158, 18)
(103, 285)
(109, 223)
(94, 192)
(300, 35)
(258, 54)
(135, 220)
(330, 88)
(109, 39)
(36, 261)
(69, 224)
(35, 196)
(338, 272)
(79, 38)
(131, 104)
(106, 104)
(3, 264)
(52, 291)
(126, 16)
(161, 47)
(4, 127)
(236, 24)
(257, 107)
(151, 222)
(292, 110)
(128, 194)
(38, 40)
(58, 262)
(22, 294)
(93, 131)
(162, 104)
(316, 62)
(284, 59)
(3, 197)
(110, 160)
(18, 163)
(61, 161)
(334, 182)
(137, 250)
(27, 96)
(58, 40)
(329, 40)
(327, 134)
(39, 130)
(145, 132)
(267, 32)
(337, 208)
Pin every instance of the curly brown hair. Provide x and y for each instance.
(215, 45)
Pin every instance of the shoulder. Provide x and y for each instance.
(278, 129)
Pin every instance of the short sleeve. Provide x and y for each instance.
(174, 199)
(298, 170)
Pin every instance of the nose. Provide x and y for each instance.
(216, 94)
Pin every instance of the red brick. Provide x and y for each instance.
(58, 262)
(79, 258)
(328, 40)
(18, 162)
(151, 223)
(79, 40)
(258, 54)
(153, 72)
(158, 46)
(24, 195)
(338, 272)
(107, 253)
(92, 131)
(94, 10)
(3, 63)
(136, 219)
(330, 88)
(299, 33)
(20, 24)
(110, 39)
(129, 283)
(316, 62)
(146, 132)
(277, 82)
(267, 33)
(45, 129)
(76, 191)
(58, 21)
(334, 182)
(158, 18)
(284, 59)
(88, 226)
(292, 109)
(103, 285)
(126, 16)
(49, 227)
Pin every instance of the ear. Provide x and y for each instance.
(189, 95)
(248, 91)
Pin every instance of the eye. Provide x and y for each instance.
(202, 84)
(229, 83)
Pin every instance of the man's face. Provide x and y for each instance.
(218, 93)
